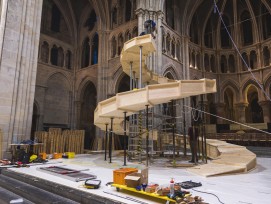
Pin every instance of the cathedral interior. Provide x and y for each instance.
(81, 42)
(61, 59)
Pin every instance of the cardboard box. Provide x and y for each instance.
(120, 174)
(136, 179)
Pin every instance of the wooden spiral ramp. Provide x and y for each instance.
(226, 159)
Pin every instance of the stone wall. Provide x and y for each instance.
(19, 33)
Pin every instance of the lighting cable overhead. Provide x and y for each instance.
(235, 46)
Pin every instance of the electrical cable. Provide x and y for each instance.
(235, 46)
(230, 120)
(210, 194)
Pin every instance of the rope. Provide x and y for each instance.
(235, 46)
(229, 120)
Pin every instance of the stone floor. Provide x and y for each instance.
(251, 188)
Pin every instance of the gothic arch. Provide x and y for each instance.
(233, 90)
(245, 87)
(60, 75)
(170, 68)
(82, 86)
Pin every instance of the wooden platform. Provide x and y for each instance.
(227, 159)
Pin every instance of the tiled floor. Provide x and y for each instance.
(250, 188)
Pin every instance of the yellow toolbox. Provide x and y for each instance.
(69, 155)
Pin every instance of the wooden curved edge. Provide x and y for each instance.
(226, 159)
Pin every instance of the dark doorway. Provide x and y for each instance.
(88, 106)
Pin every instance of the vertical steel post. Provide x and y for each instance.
(147, 136)
(105, 146)
(173, 128)
(110, 140)
(184, 130)
(140, 68)
(124, 163)
(131, 75)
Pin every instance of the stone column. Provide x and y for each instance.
(241, 112)
(139, 13)
(266, 106)
(20, 35)
(160, 39)
(220, 111)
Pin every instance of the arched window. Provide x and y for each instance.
(113, 47)
(198, 65)
(254, 112)
(206, 63)
(173, 48)
(168, 44)
(245, 57)
(128, 10)
(120, 43)
(229, 107)
(266, 56)
(253, 60)
(54, 55)
(231, 64)
(115, 15)
(69, 59)
(95, 49)
(194, 33)
(135, 32)
(91, 21)
(169, 4)
(213, 63)
(85, 53)
(223, 64)
(55, 20)
(178, 51)
(60, 60)
(246, 28)
(224, 36)
(128, 36)
(266, 19)
(45, 52)
(193, 60)
(208, 35)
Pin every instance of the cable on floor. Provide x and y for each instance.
(210, 194)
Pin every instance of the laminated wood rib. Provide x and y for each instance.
(163, 91)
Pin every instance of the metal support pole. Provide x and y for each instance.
(147, 136)
(105, 146)
(110, 140)
(173, 128)
(131, 75)
(184, 131)
(124, 163)
(140, 68)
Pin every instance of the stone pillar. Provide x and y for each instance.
(266, 106)
(20, 35)
(160, 39)
(241, 112)
(220, 111)
(139, 13)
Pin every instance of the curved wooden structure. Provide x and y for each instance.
(227, 159)
(136, 100)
